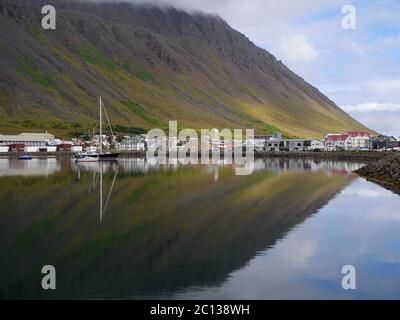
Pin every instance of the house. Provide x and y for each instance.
(335, 141)
(358, 140)
(350, 140)
(131, 144)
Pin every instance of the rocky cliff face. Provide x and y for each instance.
(150, 65)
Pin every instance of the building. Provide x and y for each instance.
(4, 149)
(26, 139)
(334, 141)
(64, 147)
(314, 145)
(294, 144)
(384, 142)
(358, 140)
(131, 144)
(35, 149)
(350, 140)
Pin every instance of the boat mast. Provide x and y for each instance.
(101, 130)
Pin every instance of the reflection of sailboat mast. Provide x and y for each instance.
(101, 193)
(101, 208)
(111, 188)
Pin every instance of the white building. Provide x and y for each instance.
(358, 140)
(351, 140)
(27, 139)
(130, 144)
(315, 145)
(40, 148)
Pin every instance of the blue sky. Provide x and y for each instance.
(358, 69)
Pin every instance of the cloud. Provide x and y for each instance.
(377, 116)
(372, 106)
(298, 48)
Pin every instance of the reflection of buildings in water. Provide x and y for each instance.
(45, 167)
(330, 166)
(143, 165)
(34, 167)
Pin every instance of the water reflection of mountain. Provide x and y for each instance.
(163, 231)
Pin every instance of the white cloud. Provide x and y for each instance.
(372, 106)
(377, 116)
(298, 48)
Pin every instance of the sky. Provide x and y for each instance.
(357, 68)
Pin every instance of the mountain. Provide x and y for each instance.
(150, 65)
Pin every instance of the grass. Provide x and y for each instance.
(37, 34)
(5, 101)
(128, 130)
(139, 71)
(38, 76)
(95, 57)
(142, 113)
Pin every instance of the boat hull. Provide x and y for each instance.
(25, 158)
(108, 157)
(97, 157)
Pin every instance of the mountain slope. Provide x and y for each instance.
(150, 66)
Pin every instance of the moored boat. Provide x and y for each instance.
(100, 156)
(25, 157)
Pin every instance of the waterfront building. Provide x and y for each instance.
(358, 140)
(382, 142)
(335, 141)
(350, 140)
(26, 139)
(131, 144)
(301, 145)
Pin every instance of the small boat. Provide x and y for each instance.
(25, 157)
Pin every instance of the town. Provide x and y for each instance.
(45, 143)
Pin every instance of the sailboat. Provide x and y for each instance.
(98, 156)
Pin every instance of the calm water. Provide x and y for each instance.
(141, 230)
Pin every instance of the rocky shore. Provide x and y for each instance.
(385, 171)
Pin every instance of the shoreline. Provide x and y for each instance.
(330, 155)
(385, 172)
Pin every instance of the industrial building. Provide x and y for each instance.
(26, 139)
